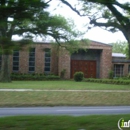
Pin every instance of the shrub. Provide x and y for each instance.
(111, 74)
(128, 76)
(62, 74)
(78, 76)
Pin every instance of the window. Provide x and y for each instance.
(32, 60)
(15, 61)
(47, 61)
(118, 70)
(0, 61)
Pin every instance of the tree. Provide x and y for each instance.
(111, 15)
(28, 19)
(119, 47)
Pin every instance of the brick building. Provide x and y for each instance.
(96, 62)
(121, 65)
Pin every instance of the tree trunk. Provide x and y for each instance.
(128, 47)
(5, 69)
(128, 53)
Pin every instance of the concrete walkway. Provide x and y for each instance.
(47, 90)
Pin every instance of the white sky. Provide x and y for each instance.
(96, 33)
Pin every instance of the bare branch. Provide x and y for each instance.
(108, 24)
(71, 7)
(123, 6)
(118, 15)
(48, 1)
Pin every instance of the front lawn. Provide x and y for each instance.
(63, 98)
(62, 85)
(108, 122)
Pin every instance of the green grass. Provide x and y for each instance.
(96, 122)
(63, 98)
(62, 85)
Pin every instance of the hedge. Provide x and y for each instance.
(109, 81)
(40, 77)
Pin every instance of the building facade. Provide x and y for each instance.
(120, 65)
(95, 62)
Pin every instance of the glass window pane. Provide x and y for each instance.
(15, 58)
(32, 54)
(47, 69)
(31, 64)
(47, 59)
(118, 70)
(47, 54)
(15, 63)
(15, 68)
(47, 64)
(31, 68)
(31, 58)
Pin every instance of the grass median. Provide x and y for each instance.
(41, 98)
(97, 122)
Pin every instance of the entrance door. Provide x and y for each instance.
(87, 67)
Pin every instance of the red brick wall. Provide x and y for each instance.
(105, 63)
(39, 59)
(23, 60)
(125, 69)
(105, 59)
(54, 59)
(61, 59)
(64, 62)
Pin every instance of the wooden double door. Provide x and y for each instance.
(87, 67)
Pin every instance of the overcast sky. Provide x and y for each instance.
(96, 34)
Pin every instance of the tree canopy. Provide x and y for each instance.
(28, 19)
(112, 15)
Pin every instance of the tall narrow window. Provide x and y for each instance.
(32, 60)
(118, 70)
(47, 61)
(15, 61)
(0, 61)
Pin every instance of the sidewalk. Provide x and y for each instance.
(45, 90)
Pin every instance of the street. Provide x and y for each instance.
(64, 110)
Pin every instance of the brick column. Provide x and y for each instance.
(54, 59)
(64, 62)
(125, 70)
(23, 60)
(39, 58)
(106, 63)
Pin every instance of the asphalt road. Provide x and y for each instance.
(73, 111)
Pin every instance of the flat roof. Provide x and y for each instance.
(118, 55)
